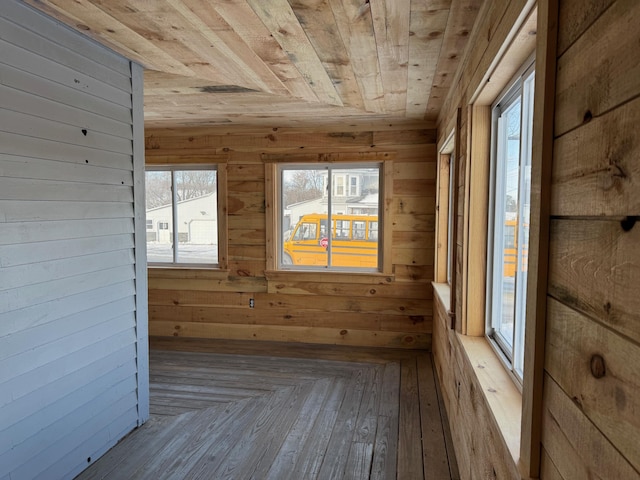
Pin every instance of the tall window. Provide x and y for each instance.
(182, 210)
(509, 234)
(321, 227)
(450, 217)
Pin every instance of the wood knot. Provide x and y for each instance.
(343, 332)
(598, 369)
(588, 116)
(372, 291)
(628, 223)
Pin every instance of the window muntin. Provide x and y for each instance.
(305, 200)
(186, 197)
(509, 233)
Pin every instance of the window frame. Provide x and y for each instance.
(220, 212)
(271, 161)
(518, 88)
(328, 186)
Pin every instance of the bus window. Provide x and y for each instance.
(373, 231)
(306, 231)
(359, 230)
(342, 229)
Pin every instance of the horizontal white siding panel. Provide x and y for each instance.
(14, 255)
(100, 424)
(32, 402)
(33, 41)
(31, 232)
(43, 336)
(97, 113)
(20, 188)
(16, 299)
(71, 212)
(109, 429)
(35, 211)
(60, 34)
(53, 129)
(62, 169)
(56, 370)
(25, 146)
(22, 429)
(40, 314)
(12, 83)
(34, 63)
(41, 272)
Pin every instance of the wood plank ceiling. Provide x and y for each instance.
(282, 62)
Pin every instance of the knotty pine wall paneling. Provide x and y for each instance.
(392, 310)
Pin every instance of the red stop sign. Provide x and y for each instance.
(324, 242)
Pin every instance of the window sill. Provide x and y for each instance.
(443, 293)
(368, 278)
(501, 393)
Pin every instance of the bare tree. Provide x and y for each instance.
(188, 184)
(302, 185)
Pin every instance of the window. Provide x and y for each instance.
(512, 123)
(353, 186)
(338, 184)
(320, 226)
(182, 203)
(445, 211)
(450, 217)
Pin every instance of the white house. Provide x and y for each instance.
(197, 221)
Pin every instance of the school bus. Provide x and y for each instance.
(354, 241)
(510, 246)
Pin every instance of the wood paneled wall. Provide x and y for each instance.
(591, 409)
(590, 395)
(481, 449)
(392, 310)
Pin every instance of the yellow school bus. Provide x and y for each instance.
(510, 259)
(354, 241)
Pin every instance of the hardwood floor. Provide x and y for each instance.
(249, 410)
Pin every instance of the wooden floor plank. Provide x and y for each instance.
(386, 446)
(410, 465)
(334, 462)
(281, 411)
(311, 455)
(434, 452)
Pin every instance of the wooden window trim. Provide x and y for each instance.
(541, 17)
(272, 204)
(220, 162)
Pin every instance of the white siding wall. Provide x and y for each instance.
(72, 331)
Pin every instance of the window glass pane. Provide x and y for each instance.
(188, 200)
(307, 205)
(511, 197)
(159, 214)
(509, 158)
(305, 216)
(197, 216)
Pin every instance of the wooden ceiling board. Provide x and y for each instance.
(355, 24)
(428, 26)
(282, 62)
(320, 26)
(391, 20)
